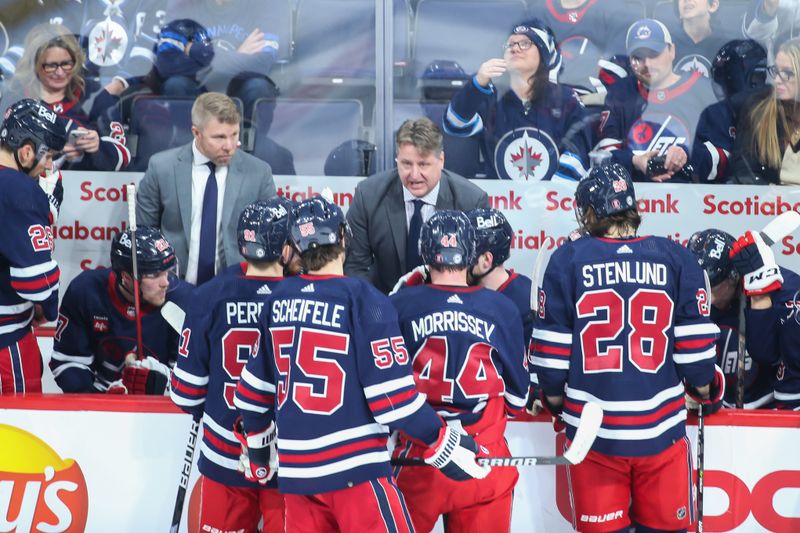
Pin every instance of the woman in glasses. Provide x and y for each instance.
(51, 69)
(767, 148)
(537, 130)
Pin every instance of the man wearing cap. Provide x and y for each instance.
(649, 120)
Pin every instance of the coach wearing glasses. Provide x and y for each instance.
(51, 70)
(767, 147)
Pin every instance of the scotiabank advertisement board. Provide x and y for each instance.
(99, 464)
(541, 213)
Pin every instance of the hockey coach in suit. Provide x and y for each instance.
(194, 193)
(389, 208)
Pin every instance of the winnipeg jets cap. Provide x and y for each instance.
(647, 33)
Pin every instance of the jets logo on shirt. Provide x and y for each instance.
(657, 131)
(108, 41)
(694, 62)
(526, 154)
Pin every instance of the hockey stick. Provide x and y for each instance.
(781, 226)
(131, 190)
(701, 465)
(186, 470)
(173, 315)
(537, 276)
(589, 425)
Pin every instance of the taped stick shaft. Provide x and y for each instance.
(137, 306)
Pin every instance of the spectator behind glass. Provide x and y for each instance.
(767, 148)
(770, 21)
(654, 113)
(51, 69)
(244, 50)
(739, 68)
(590, 33)
(699, 34)
(536, 130)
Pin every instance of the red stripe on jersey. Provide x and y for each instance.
(550, 350)
(634, 420)
(693, 344)
(254, 396)
(396, 505)
(292, 458)
(220, 444)
(386, 401)
(187, 389)
(38, 283)
(722, 166)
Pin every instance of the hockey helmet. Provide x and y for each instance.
(29, 120)
(154, 254)
(608, 189)
(316, 222)
(447, 239)
(493, 233)
(176, 33)
(544, 39)
(712, 249)
(264, 228)
(739, 65)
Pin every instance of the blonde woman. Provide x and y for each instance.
(51, 70)
(767, 148)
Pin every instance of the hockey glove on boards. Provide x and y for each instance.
(258, 460)
(716, 392)
(146, 376)
(453, 454)
(755, 262)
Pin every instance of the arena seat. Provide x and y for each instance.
(158, 123)
(462, 154)
(475, 31)
(310, 129)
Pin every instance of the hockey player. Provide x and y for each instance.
(773, 326)
(331, 374)
(654, 113)
(712, 249)
(96, 328)
(624, 322)
(30, 136)
(219, 331)
(470, 363)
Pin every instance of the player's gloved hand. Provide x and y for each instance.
(713, 402)
(534, 405)
(554, 411)
(418, 276)
(51, 184)
(258, 460)
(454, 453)
(117, 387)
(755, 262)
(146, 376)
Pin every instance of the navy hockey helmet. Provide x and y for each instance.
(493, 233)
(264, 229)
(447, 239)
(176, 33)
(608, 189)
(154, 254)
(29, 120)
(739, 65)
(316, 222)
(712, 249)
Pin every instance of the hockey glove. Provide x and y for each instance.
(418, 276)
(534, 405)
(554, 411)
(258, 460)
(117, 387)
(146, 376)
(51, 184)
(755, 262)
(454, 455)
(716, 392)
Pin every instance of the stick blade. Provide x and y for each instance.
(781, 226)
(174, 315)
(591, 419)
(537, 275)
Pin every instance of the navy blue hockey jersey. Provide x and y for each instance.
(637, 120)
(28, 273)
(518, 288)
(773, 338)
(219, 333)
(97, 327)
(622, 322)
(550, 139)
(467, 348)
(333, 370)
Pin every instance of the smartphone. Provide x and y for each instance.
(74, 135)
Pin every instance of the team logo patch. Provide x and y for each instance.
(694, 63)
(643, 32)
(526, 154)
(100, 324)
(307, 229)
(108, 41)
(681, 514)
(657, 131)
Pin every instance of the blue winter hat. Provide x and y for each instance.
(647, 33)
(543, 37)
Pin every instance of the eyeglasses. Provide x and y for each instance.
(784, 74)
(66, 66)
(522, 45)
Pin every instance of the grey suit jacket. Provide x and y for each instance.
(164, 198)
(377, 217)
